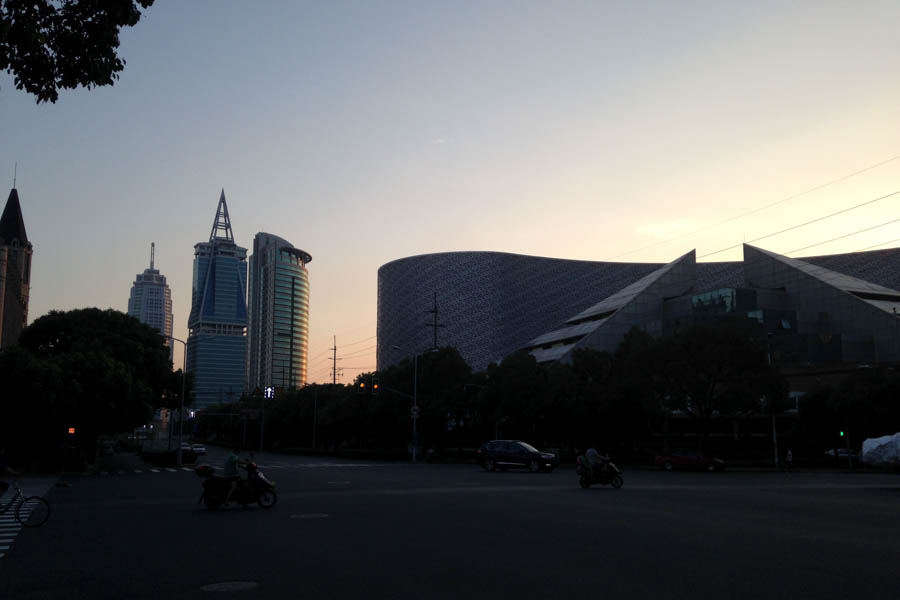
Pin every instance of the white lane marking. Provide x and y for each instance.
(186, 469)
(4, 547)
(154, 470)
(170, 470)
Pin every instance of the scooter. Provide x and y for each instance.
(586, 476)
(256, 488)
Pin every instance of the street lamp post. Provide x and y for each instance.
(178, 456)
(415, 407)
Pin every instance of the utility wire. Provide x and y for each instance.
(843, 236)
(756, 210)
(881, 244)
(803, 224)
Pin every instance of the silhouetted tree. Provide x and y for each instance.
(50, 45)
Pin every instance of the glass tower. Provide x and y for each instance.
(279, 314)
(217, 326)
(151, 300)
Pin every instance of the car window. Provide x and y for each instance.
(528, 447)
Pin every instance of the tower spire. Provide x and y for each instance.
(152, 253)
(221, 229)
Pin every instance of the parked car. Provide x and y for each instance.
(503, 454)
(842, 455)
(198, 448)
(688, 459)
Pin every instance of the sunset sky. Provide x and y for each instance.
(364, 132)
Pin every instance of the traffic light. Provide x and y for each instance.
(842, 434)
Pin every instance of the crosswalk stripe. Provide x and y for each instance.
(186, 469)
(138, 471)
(154, 470)
(170, 470)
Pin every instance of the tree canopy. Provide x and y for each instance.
(49, 45)
(100, 371)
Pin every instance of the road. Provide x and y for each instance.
(351, 529)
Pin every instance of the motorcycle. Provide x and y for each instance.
(610, 476)
(256, 488)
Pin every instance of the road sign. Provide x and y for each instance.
(414, 411)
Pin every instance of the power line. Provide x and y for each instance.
(843, 236)
(363, 352)
(803, 224)
(881, 244)
(756, 210)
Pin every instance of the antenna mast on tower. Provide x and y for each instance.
(152, 253)
(222, 223)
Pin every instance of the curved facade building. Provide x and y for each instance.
(279, 314)
(490, 304)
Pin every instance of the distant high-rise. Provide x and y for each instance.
(217, 326)
(151, 300)
(15, 272)
(279, 313)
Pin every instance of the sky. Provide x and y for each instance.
(364, 132)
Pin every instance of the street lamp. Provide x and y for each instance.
(181, 412)
(415, 407)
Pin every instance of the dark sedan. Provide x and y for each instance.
(503, 454)
(688, 459)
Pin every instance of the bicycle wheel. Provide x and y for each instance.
(33, 511)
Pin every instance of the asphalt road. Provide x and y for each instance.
(351, 529)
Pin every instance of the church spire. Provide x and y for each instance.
(221, 229)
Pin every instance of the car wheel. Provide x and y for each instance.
(489, 464)
(711, 467)
(534, 466)
(667, 466)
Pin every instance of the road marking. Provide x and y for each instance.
(138, 471)
(229, 586)
(4, 547)
(154, 470)
(186, 469)
(170, 470)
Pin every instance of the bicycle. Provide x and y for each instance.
(32, 511)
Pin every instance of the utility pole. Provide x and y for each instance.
(334, 359)
(435, 324)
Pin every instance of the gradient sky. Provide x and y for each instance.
(364, 132)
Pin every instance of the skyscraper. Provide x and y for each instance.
(279, 313)
(15, 272)
(151, 300)
(217, 326)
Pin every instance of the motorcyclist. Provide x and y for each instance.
(230, 472)
(596, 461)
(5, 470)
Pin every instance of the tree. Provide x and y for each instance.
(50, 45)
(101, 371)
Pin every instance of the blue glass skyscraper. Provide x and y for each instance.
(217, 327)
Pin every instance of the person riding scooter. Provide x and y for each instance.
(230, 472)
(597, 462)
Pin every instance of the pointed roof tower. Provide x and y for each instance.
(12, 226)
(221, 229)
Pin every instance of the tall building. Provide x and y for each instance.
(279, 313)
(217, 326)
(15, 272)
(151, 300)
